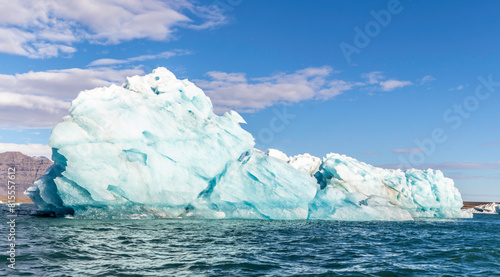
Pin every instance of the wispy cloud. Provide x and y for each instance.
(426, 79)
(27, 149)
(236, 91)
(373, 77)
(378, 78)
(460, 87)
(472, 177)
(163, 55)
(408, 150)
(390, 85)
(370, 153)
(496, 143)
(46, 28)
(453, 166)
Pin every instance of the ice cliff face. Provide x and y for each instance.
(420, 193)
(154, 147)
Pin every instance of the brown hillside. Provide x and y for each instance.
(28, 170)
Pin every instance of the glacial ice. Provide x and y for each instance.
(489, 208)
(421, 193)
(154, 148)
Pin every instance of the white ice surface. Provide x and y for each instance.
(154, 148)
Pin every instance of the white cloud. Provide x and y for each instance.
(65, 84)
(236, 91)
(373, 77)
(27, 149)
(377, 77)
(426, 79)
(30, 111)
(390, 85)
(40, 99)
(163, 55)
(47, 104)
(107, 62)
(46, 28)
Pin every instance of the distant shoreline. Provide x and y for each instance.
(470, 204)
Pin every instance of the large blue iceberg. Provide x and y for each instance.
(154, 148)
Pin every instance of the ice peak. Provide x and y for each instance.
(162, 72)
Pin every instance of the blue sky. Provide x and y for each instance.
(420, 90)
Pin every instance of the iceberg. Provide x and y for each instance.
(154, 148)
(489, 208)
(420, 193)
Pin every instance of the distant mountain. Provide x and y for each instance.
(28, 169)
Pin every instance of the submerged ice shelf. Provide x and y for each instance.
(154, 148)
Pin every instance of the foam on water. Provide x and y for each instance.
(191, 247)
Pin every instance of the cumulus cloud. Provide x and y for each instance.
(237, 91)
(27, 149)
(30, 111)
(40, 99)
(48, 104)
(65, 84)
(47, 28)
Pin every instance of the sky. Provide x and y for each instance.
(396, 84)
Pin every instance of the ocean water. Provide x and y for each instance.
(180, 247)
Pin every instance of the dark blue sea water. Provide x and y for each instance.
(175, 247)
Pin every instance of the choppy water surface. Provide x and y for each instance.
(175, 247)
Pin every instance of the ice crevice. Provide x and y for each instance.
(154, 148)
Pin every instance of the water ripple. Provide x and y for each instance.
(176, 247)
